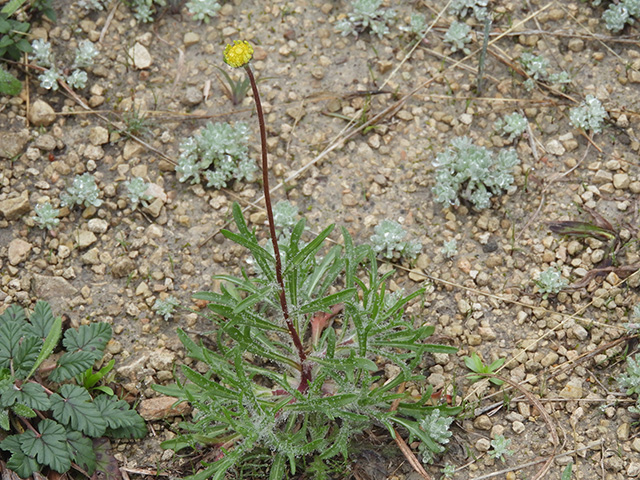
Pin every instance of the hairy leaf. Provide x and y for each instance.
(71, 364)
(121, 419)
(88, 338)
(50, 343)
(13, 313)
(23, 411)
(81, 451)
(30, 394)
(19, 462)
(50, 447)
(4, 419)
(74, 407)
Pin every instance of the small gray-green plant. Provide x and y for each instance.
(450, 248)
(513, 125)
(50, 420)
(389, 239)
(475, 364)
(448, 471)
(472, 173)
(589, 115)
(633, 327)
(536, 67)
(630, 381)
(367, 15)
(458, 35)
(143, 10)
(219, 153)
(462, 8)
(46, 216)
(84, 191)
(618, 14)
(417, 24)
(43, 56)
(136, 189)
(285, 217)
(166, 307)
(500, 446)
(551, 281)
(436, 426)
(203, 9)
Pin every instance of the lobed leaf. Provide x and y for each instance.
(30, 394)
(20, 463)
(49, 447)
(41, 320)
(88, 338)
(123, 422)
(25, 356)
(11, 331)
(73, 407)
(71, 364)
(80, 449)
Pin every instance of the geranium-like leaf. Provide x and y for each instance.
(41, 319)
(25, 356)
(74, 407)
(11, 330)
(19, 462)
(49, 447)
(105, 461)
(71, 364)
(88, 338)
(81, 451)
(13, 313)
(30, 394)
(122, 421)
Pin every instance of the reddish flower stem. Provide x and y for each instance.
(305, 377)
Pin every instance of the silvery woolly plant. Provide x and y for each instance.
(367, 15)
(294, 372)
(472, 173)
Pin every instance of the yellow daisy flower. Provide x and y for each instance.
(238, 54)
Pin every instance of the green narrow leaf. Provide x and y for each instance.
(88, 338)
(19, 462)
(324, 304)
(81, 451)
(30, 394)
(52, 338)
(71, 364)
(566, 473)
(277, 471)
(11, 7)
(48, 448)
(73, 407)
(310, 248)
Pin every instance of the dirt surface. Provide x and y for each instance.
(112, 263)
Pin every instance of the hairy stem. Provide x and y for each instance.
(305, 377)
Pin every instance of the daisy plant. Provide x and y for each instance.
(296, 368)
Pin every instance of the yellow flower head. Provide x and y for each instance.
(238, 54)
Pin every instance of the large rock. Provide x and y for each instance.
(141, 56)
(18, 251)
(13, 208)
(41, 114)
(13, 143)
(55, 290)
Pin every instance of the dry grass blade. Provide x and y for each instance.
(547, 418)
(411, 458)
